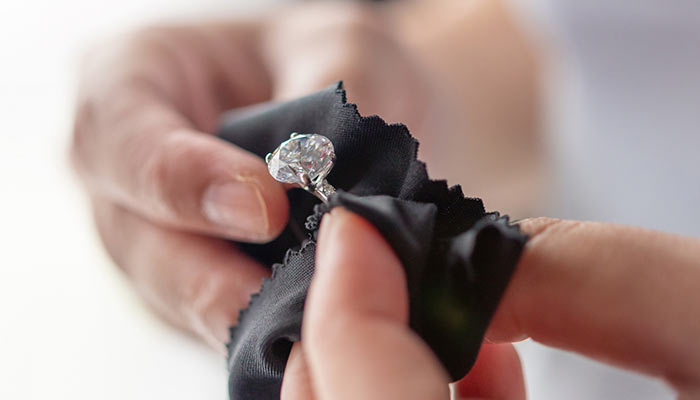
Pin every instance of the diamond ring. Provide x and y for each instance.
(304, 160)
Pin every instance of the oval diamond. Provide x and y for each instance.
(310, 156)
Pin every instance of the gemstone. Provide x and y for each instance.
(302, 159)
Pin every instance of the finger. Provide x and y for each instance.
(296, 384)
(619, 294)
(196, 283)
(356, 338)
(138, 138)
(314, 46)
(497, 374)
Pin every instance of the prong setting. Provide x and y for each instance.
(304, 160)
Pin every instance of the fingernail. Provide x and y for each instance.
(237, 206)
(327, 223)
(325, 232)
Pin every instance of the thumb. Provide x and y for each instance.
(355, 331)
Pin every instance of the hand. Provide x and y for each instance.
(623, 295)
(166, 193)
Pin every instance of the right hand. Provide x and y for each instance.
(623, 295)
(166, 193)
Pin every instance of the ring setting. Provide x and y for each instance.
(304, 160)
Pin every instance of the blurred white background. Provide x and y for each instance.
(70, 326)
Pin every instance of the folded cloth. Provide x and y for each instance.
(457, 257)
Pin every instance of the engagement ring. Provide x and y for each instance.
(304, 160)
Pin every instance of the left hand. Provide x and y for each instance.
(364, 292)
(165, 192)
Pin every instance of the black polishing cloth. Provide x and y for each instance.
(458, 258)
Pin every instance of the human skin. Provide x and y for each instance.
(623, 295)
(167, 195)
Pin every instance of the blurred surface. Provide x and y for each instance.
(71, 327)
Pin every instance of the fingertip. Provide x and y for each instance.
(352, 258)
(296, 384)
(355, 328)
(270, 195)
(242, 200)
(497, 374)
(343, 232)
(273, 203)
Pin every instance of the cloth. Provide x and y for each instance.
(458, 258)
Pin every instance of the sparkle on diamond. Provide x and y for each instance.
(311, 155)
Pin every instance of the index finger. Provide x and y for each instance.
(140, 138)
(623, 295)
(355, 329)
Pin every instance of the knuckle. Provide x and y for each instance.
(197, 295)
(201, 299)
(163, 172)
(176, 173)
(108, 70)
(112, 225)
(539, 225)
(140, 59)
(547, 235)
